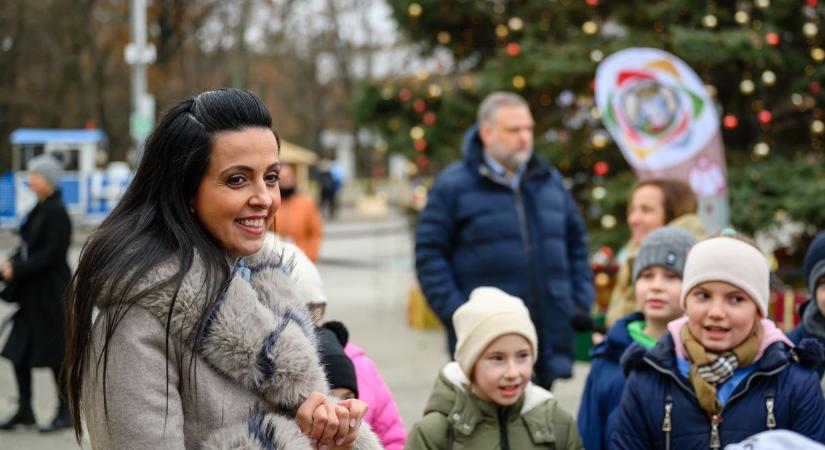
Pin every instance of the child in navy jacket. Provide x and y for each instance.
(724, 372)
(657, 282)
(813, 313)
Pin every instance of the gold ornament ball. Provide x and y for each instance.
(502, 31)
(817, 126)
(416, 133)
(414, 10)
(747, 87)
(519, 82)
(817, 54)
(443, 37)
(434, 91)
(590, 27)
(710, 21)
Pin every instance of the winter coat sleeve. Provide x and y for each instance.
(809, 406)
(429, 433)
(598, 406)
(143, 406)
(581, 276)
(383, 413)
(631, 432)
(54, 238)
(434, 237)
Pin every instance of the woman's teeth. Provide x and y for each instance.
(251, 223)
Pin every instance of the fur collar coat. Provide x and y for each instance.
(254, 366)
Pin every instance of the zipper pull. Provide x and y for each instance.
(715, 421)
(666, 424)
(771, 419)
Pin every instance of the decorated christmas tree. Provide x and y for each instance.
(761, 62)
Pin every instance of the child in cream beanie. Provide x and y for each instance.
(488, 314)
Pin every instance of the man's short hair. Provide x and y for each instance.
(496, 100)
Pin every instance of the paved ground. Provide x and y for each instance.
(367, 268)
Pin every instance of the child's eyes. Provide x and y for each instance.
(737, 299)
(701, 295)
(523, 355)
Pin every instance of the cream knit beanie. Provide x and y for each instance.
(730, 260)
(488, 314)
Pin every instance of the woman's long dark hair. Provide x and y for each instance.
(153, 223)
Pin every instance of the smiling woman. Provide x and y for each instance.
(196, 304)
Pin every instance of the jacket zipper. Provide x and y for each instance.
(502, 428)
(716, 420)
(771, 422)
(666, 424)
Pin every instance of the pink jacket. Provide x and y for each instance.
(382, 414)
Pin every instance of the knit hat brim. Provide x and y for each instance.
(474, 343)
(731, 261)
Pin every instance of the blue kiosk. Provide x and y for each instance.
(89, 193)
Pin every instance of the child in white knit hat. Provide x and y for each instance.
(485, 400)
(725, 372)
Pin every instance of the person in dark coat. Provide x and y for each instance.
(657, 281)
(724, 372)
(502, 217)
(37, 276)
(813, 312)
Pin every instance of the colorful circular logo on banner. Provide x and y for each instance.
(655, 107)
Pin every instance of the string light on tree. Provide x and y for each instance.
(817, 54)
(761, 149)
(810, 30)
(772, 39)
(762, 4)
(710, 21)
(746, 86)
(817, 127)
(515, 24)
(416, 133)
(596, 55)
(599, 192)
(741, 17)
(768, 77)
(710, 90)
(608, 221)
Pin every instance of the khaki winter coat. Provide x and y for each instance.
(536, 421)
(254, 367)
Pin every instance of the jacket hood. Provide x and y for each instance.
(452, 384)
(770, 335)
(617, 340)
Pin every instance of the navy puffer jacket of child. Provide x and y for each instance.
(659, 409)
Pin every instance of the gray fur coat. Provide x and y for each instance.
(256, 364)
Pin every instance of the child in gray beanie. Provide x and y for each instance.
(657, 283)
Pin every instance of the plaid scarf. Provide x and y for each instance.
(708, 370)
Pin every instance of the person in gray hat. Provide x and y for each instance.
(657, 282)
(36, 277)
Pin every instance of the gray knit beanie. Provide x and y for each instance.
(666, 247)
(47, 167)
